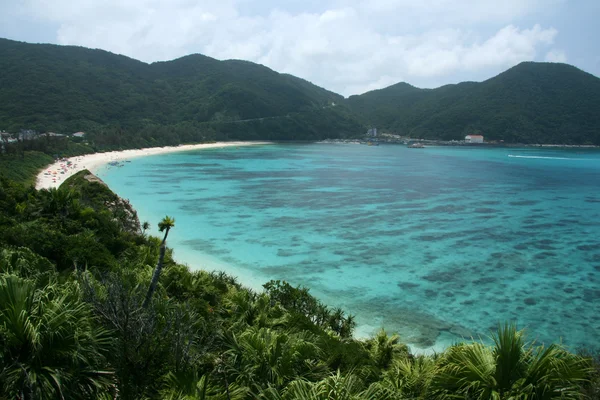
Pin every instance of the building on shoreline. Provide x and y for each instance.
(474, 139)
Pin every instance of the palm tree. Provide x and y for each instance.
(145, 227)
(165, 225)
(410, 376)
(259, 358)
(383, 348)
(193, 387)
(58, 202)
(248, 308)
(509, 369)
(334, 387)
(49, 344)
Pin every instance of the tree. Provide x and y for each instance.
(194, 387)
(383, 348)
(509, 369)
(167, 336)
(165, 225)
(410, 376)
(145, 227)
(50, 344)
(61, 202)
(261, 357)
(334, 387)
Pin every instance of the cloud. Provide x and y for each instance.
(348, 46)
(556, 55)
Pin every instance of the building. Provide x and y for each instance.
(52, 134)
(27, 134)
(78, 134)
(474, 139)
(372, 132)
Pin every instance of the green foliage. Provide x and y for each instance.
(166, 224)
(384, 348)
(260, 357)
(410, 376)
(309, 310)
(68, 226)
(51, 347)
(510, 369)
(48, 88)
(23, 168)
(192, 387)
(529, 103)
(197, 98)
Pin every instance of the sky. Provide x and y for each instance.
(347, 46)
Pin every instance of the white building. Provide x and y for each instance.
(372, 132)
(474, 139)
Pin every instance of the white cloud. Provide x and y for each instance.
(348, 46)
(556, 55)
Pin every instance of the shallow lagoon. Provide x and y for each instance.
(437, 243)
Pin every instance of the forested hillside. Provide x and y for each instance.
(529, 103)
(123, 102)
(67, 89)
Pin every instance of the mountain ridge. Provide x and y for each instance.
(529, 103)
(70, 88)
(49, 87)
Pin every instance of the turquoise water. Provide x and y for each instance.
(438, 243)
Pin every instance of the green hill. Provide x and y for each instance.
(529, 103)
(66, 88)
(123, 102)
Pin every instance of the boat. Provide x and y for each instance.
(416, 146)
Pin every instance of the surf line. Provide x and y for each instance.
(549, 158)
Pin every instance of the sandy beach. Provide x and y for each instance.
(55, 174)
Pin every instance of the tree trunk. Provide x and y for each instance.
(157, 271)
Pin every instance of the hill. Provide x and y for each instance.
(529, 103)
(67, 89)
(122, 102)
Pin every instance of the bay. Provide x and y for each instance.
(438, 244)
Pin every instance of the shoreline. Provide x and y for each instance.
(456, 143)
(194, 261)
(53, 175)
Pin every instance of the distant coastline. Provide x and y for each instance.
(53, 175)
(458, 143)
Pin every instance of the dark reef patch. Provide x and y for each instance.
(530, 301)
(484, 210)
(589, 247)
(408, 285)
(441, 276)
(523, 203)
(591, 295)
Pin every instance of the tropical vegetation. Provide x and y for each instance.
(120, 102)
(529, 103)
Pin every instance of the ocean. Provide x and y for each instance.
(438, 244)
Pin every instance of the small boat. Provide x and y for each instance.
(416, 146)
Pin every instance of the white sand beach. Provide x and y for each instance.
(55, 174)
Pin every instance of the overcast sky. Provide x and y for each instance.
(348, 46)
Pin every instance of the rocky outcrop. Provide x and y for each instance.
(95, 193)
